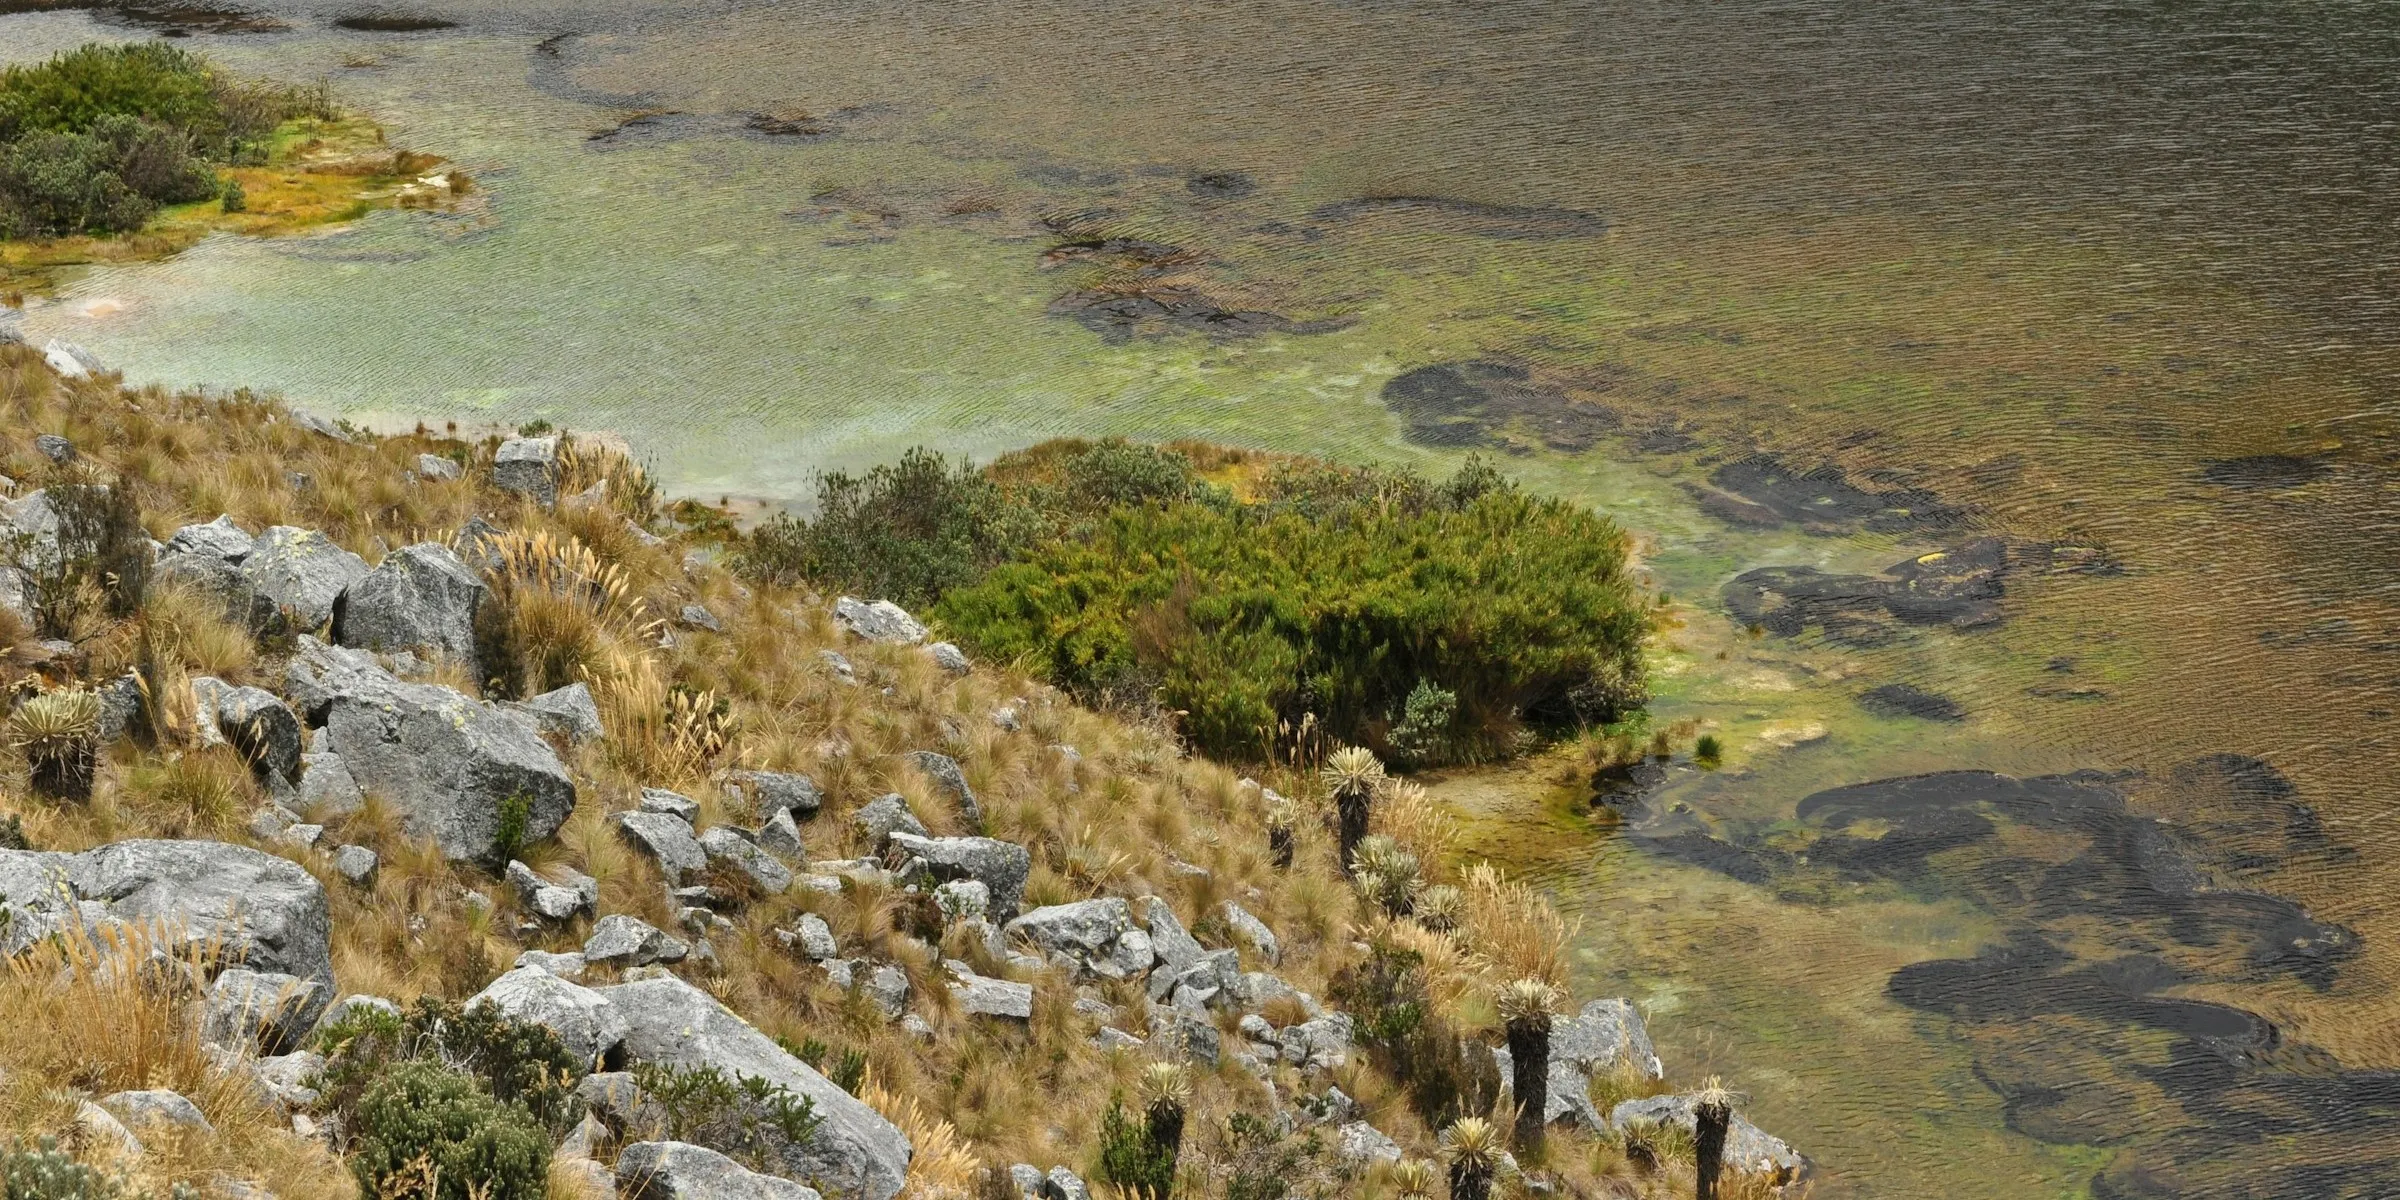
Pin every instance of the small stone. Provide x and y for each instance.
(326, 787)
(667, 839)
(262, 1010)
(528, 466)
(888, 988)
(356, 864)
(839, 663)
(1112, 1038)
(781, 835)
(157, 1108)
(1063, 1184)
(768, 792)
(1252, 931)
(884, 816)
(620, 940)
(815, 937)
(1362, 1144)
(945, 774)
(437, 468)
(728, 847)
(568, 712)
(1004, 718)
(106, 1135)
(949, 658)
(304, 837)
(55, 448)
(566, 966)
(696, 616)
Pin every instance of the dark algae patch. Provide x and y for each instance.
(1220, 185)
(1763, 492)
(2082, 1018)
(1909, 700)
(1121, 316)
(1498, 404)
(2267, 471)
(1960, 588)
(392, 22)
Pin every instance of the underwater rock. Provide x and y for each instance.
(1909, 700)
(1763, 492)
(2265, 471)
(1501, 222)
(1960, 587)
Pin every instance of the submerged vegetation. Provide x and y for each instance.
(1258, 601)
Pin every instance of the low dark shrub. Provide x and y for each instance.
(741, 1115)
(1131, 1159)
(517, 1062)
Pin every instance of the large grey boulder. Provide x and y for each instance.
(1747, 1148)
(980, 996)
(418, 596)
(528, 466)
(157, 1110)
(882, 621)
(1177, 949)
(682, 1171)
(999, 866)
(581, 1017)
(1606, 1036)
(243, 905)
(769, 792)
(220, 538)
(254, 721)
(264, 1012)
(455, 769)
(622, 940)
(884, 816)
(667, 839)
(731, 849)
(302, 573)
(856, 1152)
(318, 672)
(568, 712)
(219, 579)
(944, 771)
(1079, 932)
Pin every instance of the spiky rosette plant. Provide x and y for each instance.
(1439, 908)
(1526, 1005)
(1282, 831)
(59, 735)
(1413, 1179)
(1386, 874)
(1166, 1091)
(1354, 776)
(1712, 1116)
(1473, 1147)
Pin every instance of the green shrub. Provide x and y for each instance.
(233, 200)
(905, 531)
(45, 1172)
(1708, 751)
(745, 1116)
(1520, 609)
(425, 1131)
(162, 84)
(519, 1063)
(1422, 734)
(1130, 1158)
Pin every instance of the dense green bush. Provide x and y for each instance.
(1246, 617)
(905, 531)
(426, 1132)
(1130, 1158)
(520, 1063)
(96, 139)
(741, 1115)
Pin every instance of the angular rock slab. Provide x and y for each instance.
(882, 621)
(419, 596)
(447, 763)
(528, 466)
(682, 1171)
(999, 866)
(302, 573)
(248, 906)
(856, 1153)
(582, 1018)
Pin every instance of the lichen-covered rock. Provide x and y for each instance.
(999, 866)
(318, 672)
(814, 938)
(697, 616)
(265, 1011)
(120, 706)
(729, 848)
(945, 774)
(666, 839)
(437, 468)
(1176, 948)
(1252, 931)
(457, 771)
(769, 792)
(885, 815)
(220, 538)
(856, 1152)
(568, 712)
(157, 1109)
(980, 996)
(326, 787)
(254, 721)
(949, 658)
(620, 940)
(241, 905)
(781, 835)
(1079, 932)
(302, 573)
(357, 864)
(682, 1171)
(528, 466)
(419, 596)
(581, 1017)
(1362, 1144)
(674, 804)
(548, 901)
(882, 621)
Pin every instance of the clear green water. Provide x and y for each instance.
(2048, 262)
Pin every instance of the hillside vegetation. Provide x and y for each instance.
(518, 847)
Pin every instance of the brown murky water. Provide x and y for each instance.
(1779, 285)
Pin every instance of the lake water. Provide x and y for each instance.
(2098, 298)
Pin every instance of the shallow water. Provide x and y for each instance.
(2116, 278)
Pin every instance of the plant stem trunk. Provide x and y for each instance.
(1529, 1064)
(1709, 1123)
